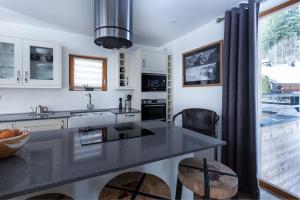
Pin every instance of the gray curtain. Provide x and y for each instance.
(239, 95)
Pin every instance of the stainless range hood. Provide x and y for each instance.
(113, 23)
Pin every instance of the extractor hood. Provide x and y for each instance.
(113, 23)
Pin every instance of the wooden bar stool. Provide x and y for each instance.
(135, 185)
(206, 179)
(51, 196)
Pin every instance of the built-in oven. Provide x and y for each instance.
(154, 109)
(153, 82)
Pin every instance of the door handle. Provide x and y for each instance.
(149, 106)
(144, 63)
(18, 76)
(26, 76)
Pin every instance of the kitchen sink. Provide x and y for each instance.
(86, 119)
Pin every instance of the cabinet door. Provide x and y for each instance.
(42, 64)
(7, 125)
(10, 61)
(130, 117)
(154, 62)
(42, 125)
(129, 62)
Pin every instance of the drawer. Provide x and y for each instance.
(128, 117)
(42, 125)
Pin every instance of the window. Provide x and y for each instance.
(279, 40)
(87, 73)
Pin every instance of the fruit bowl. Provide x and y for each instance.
(11, 140)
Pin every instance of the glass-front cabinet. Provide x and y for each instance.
(41, 63)
(29, 63)
(10, 61)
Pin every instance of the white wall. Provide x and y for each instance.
(198, 97)
(19, 100)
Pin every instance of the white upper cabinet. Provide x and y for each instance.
(154, 62)
(126, 71)
(29, 63)
(10, 61)
(41, 64)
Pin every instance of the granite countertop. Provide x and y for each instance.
(58, 157)
(123, 111)
(57, 114)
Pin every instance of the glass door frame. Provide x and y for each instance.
(262, 183)
(56, 63)
(17, 77)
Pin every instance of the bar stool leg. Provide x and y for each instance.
(236, 197)
(178, 189)
(216, 153)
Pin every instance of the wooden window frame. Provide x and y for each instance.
(262, 183)
(71, 72)
(278, 7)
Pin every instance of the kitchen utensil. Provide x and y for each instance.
(49, 58)
(34, 57)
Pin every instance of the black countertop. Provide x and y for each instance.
(57, 114)
(53, 158)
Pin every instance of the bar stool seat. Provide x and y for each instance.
(51, 196)
(135, 185)
(222, 182)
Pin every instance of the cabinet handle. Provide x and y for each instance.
(129, 115)
(26, 76)
(144, 63)
(18, 76)
(127, 80)
(1, 75)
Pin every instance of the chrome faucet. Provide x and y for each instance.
(90, 106)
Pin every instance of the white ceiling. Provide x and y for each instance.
(155, 22)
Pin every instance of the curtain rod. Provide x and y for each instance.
(220, 19)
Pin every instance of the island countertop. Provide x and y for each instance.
(58, 157)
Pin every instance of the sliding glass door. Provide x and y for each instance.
(279, 41)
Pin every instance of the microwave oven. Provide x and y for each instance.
(154, 82)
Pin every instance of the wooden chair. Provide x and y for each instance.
(200, 120)
(206, 179)
(135, 185)
(51, 196)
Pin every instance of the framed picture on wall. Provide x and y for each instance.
(203, 66)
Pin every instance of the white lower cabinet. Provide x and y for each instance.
(129, 117)
(42, 125)
(7, 125)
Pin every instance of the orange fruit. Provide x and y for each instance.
(6, 134)
(16, 132)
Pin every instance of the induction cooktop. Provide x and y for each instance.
(95, 135)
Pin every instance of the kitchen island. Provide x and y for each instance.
(59, 157)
